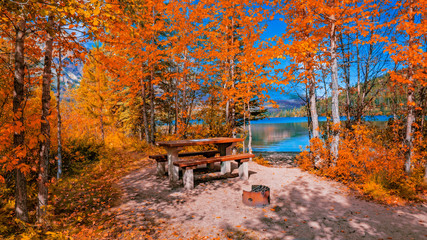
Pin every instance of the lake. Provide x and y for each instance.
(289, 134)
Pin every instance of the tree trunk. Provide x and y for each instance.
(44, 142)
(346, 68)
(169, 123)
(227, 108)
(184, 115)
(409, 129)
(176, 108)
(101, 121)
(313, 108)
(144, 111)
(58, 111)
(314, 116)
(152, 122)
(249, 129)
(244, 126)
(359, 97)
(335, 103)
(308, 108)
(21, 209)
(232, 102)
(190, 112)
(327, 132)
(411, 107)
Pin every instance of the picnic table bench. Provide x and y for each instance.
(189, 165)
(161, 159)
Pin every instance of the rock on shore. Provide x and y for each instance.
(279, 159)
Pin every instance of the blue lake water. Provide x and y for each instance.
(289, 134)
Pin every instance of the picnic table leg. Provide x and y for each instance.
(173, 170)
(188, 178)
(161, 168)
(243, 170)
(225, 149)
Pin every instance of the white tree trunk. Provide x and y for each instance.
(334, 82)
(313, 108)
(410, 117)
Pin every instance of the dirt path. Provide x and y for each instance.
(303, 206)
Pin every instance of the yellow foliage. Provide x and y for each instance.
(375, 190)
(261, 161)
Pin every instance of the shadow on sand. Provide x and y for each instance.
(307, 207)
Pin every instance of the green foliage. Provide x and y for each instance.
(214, 119)
(77, 154)
(257, 112)
(294, 112)
(383, 98)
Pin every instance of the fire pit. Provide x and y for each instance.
(258, 197)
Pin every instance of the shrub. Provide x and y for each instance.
(77, 153)
(372, 161)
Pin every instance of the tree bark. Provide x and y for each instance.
(152, 122)
(249, 129)
(44, 142)
(411, 107)
(313, 108)
(144, 111)
(346, 68)
(232, 102)
(184, 112)
(334, 79)
(409, 129)
(21, 209)
(314, 116)
(176, 107)
(244, 127)
(359, 96)
(308, 108)
(58, 110)
(328, 116)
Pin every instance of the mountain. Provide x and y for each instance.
(285, 101)
(72, 74)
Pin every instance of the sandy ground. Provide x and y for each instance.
(303, 206)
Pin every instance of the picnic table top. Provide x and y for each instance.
(192, 142)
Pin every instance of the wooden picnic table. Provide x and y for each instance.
(224, 145)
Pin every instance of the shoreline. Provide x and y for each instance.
(279, 159)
